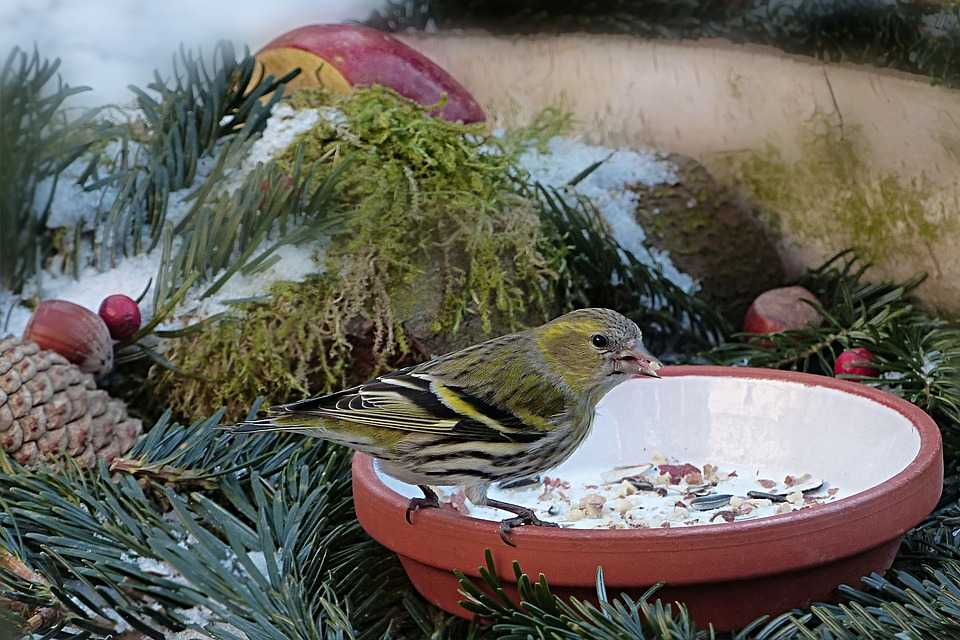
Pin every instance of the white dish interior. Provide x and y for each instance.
(768, 426)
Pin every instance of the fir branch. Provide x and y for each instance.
(542, 614)
(183, 122)
(36, 148)
(255, 529)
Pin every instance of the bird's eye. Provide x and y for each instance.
(599, 341)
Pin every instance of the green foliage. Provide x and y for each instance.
(289, 344)
(542, 614)
(426, 193)
(103, 544)
(185, 121)
(36, 144)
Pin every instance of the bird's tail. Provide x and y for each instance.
(262, 425)
(279, 418)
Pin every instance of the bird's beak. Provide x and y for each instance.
(639, 361)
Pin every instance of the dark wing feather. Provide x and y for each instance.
(410, 401)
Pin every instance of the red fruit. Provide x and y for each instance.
(75, 332)
(781, 309)
(855, 362)
(340, 57)
(121, 314)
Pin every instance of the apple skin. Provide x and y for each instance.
(855, 362)
(344, 56)
(781, 309)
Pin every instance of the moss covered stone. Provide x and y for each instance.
(439, 248)
(712, 235)
(829, 197)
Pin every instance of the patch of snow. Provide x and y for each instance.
(283, 126)
(608, 187)
(71, 204)
(130, 277)
(931, 361)
(296, 263)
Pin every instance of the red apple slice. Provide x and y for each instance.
(340, 57)
(782, 309)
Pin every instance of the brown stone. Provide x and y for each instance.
(712, 235)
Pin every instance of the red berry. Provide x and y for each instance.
(856, 362)
(121, 315)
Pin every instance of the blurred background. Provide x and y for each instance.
(109, 44)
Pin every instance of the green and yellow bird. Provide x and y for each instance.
(501, 410)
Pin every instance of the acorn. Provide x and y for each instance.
(856, 362)
(75, 332)
(121, 314)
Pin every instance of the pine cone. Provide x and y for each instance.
(49, 407)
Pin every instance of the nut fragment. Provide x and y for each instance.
(576, 514)
(592, 504)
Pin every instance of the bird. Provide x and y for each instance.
(498, 411)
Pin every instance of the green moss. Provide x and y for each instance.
(421, 187)
(435, 219)
(291, 345)
(831, 197)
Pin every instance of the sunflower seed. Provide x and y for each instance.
(708, 503)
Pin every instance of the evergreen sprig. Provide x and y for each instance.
(182, 122)
(227, 233)
(35, 148)
(542, 614)
(257, 528)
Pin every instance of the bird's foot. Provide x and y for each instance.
(430, 500)
(524, 516)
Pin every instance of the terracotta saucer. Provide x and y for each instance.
(884, 453)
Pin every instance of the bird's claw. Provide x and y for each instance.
(415, 504)
(527, 517)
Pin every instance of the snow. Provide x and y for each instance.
(608, 187)
(110, 44)
(296, 263)
(284, 125)
(130, 277)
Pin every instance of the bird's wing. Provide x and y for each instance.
(406, 400)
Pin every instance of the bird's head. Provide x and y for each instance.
(593, 350)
